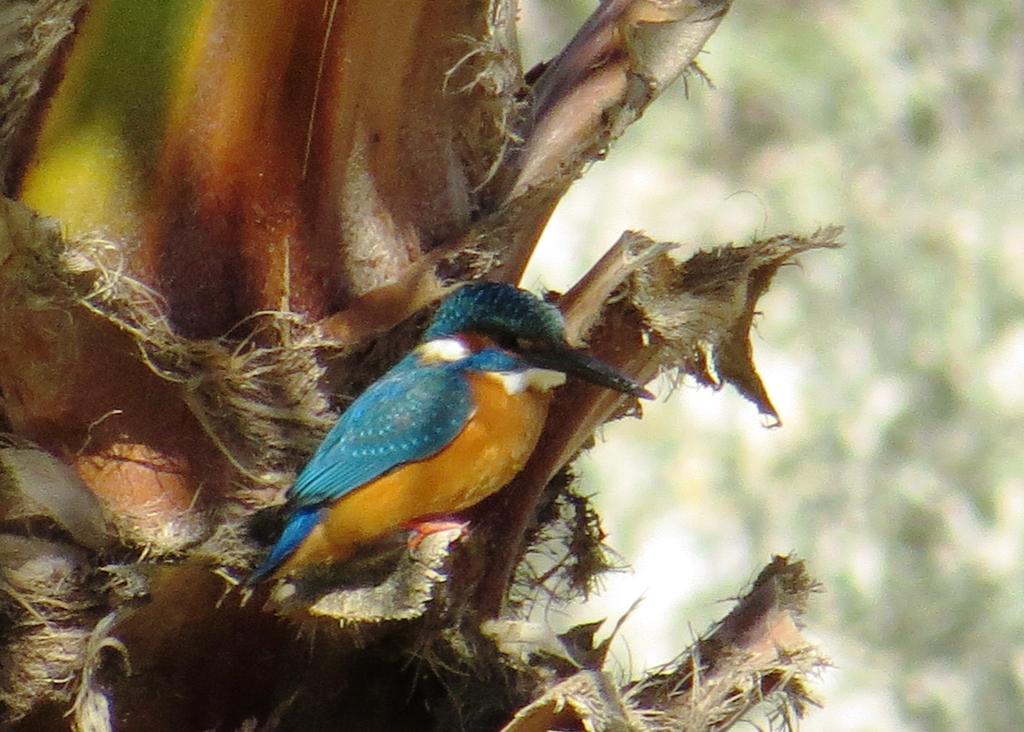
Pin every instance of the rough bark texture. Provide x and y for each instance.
(173, 347)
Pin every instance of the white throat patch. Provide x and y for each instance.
(519, 381)
(443, 350)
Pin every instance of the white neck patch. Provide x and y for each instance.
(443, 350)
(519, 381)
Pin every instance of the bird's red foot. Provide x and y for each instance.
(422, 529)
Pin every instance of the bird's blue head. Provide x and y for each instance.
(498, 310)
(521, 323)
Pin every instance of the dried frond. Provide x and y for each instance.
(644, 312)
(700, 312)
(34, 483)
(755, 656)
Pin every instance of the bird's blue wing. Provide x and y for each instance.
(411, 413)
(408, 415)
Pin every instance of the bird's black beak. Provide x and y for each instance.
(577, 363)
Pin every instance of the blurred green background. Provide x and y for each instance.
(896, 363)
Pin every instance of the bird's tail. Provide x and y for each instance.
(295, 531)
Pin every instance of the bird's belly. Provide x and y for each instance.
(487, 454)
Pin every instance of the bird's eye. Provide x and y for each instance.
(507, 341)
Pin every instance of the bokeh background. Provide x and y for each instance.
(896, 363)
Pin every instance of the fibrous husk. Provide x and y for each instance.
(255, 403)
(50, 613)
(31, 33)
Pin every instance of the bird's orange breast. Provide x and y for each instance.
(490, 450)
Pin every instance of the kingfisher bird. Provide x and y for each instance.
(446, 427)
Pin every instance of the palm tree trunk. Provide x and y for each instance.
(222, 220)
